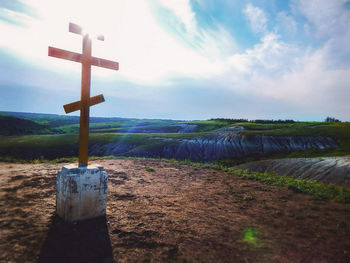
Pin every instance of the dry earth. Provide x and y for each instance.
(176, 213)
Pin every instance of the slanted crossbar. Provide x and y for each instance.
(85, 101)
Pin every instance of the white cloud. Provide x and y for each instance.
(213, 43)
(303, 78)
(331, 21)
(271, 55)
(286, 23)
(307, 30)
(150, 54)
(330, 17)
(183, 11)
(312, 79)
(13, 16)
(310, 85)
(147, 51)
(257, 18)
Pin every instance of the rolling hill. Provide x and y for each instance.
(31, 136)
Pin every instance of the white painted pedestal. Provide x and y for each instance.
(81, 192)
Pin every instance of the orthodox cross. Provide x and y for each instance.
(86, 101)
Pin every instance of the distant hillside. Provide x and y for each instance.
(58, 124)
(68, 123)
(58, 120)
(27, 115)
(203, 140)
(16, 126)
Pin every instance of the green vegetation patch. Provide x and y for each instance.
(339, 131)
(251, 237)
(319, 190)
(15, 126)
(209, 125)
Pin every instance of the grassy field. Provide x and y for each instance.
(54, 136)
(30, 147)
(70, 124)
(340, 131)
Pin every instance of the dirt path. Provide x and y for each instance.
(170, 213)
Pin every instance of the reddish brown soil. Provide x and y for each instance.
(176, 213)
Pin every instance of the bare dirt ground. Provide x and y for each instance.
(170, 213)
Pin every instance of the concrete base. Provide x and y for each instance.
(81, 192)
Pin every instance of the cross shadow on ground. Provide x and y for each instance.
(84, 241)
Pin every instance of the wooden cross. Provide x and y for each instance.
(86, 101)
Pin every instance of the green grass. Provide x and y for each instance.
(70, 124)
(33, 141)
(67, 139)
(208, 125)
(339, 131)
(297, 128)
(165, 126)
(319, 190)
(161, 133)
(251, 237)
(30, 147)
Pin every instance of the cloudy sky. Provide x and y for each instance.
(182, 59)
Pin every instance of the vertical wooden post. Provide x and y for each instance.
(85, 95)
(86, 101)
